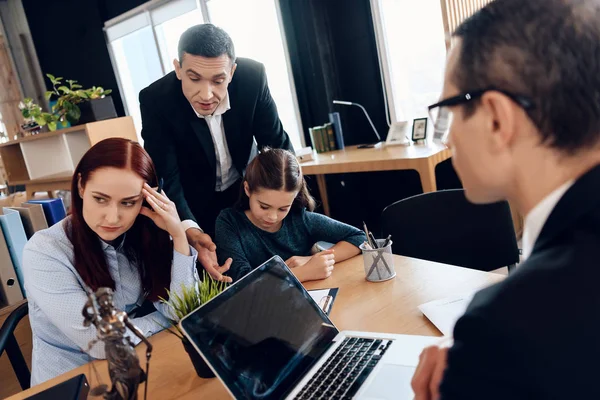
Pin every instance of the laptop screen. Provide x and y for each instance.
(262, 334)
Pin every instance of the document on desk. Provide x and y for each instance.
(324, 298)
(445, 312)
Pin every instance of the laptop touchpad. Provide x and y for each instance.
(391, 382)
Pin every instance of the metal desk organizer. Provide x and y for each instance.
(379, 263)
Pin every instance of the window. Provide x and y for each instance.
(143, 45)
(412, 52)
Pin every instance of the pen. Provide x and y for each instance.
(387, 241)
(160, 185)
(367, 233)
(327, 304)
(373, 240)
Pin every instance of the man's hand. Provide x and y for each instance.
(207, 254)
(428, 376)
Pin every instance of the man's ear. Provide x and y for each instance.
(501, 113)
(177, 66)
(246, 189)
(233, 68)
(79, 187)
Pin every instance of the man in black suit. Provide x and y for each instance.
(199, 126)
(522, 86)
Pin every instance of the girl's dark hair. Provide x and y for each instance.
(146, 245)
(276, 169)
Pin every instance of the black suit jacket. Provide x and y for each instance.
(536, 334)
(181, 145)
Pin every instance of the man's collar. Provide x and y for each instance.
(537, 217)
(221, 108)
(582, 198)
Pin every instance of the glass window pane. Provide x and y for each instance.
(255, 31)
(414, 39)
(169, 32)
(138, 65)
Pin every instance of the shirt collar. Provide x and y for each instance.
(537, 217)
(221, 108)
(119, 246)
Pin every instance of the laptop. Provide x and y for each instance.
(266, 338)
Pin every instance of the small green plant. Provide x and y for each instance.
(66, 108)
(190, 298)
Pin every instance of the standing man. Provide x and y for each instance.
(523, 86)
(199, 126)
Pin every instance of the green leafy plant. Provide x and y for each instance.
(66, 109)
(190, 298)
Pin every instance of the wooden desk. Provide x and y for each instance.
(421, 157)
(360, 305)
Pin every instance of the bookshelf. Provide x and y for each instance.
(46, 161)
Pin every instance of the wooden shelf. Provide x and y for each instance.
(50, 158)
(58, 132)
(58, 178)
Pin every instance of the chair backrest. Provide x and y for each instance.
(9, 343)
(445, 227)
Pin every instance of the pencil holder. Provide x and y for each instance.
(379, 263)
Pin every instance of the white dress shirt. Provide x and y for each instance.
(537, 217)
(227, 175)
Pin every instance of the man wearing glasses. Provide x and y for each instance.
(521, 111)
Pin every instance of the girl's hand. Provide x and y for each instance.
(297, 261)
(163, 213)
(320, 266)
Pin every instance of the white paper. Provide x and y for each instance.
(318, 295)
(445, 312)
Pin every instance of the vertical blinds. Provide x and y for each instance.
(454, 12)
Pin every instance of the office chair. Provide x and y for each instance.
(9, 343)
(445, 227)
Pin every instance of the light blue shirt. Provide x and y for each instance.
(56, 296)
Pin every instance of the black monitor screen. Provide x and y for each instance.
(263, 333)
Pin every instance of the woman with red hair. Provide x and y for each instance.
(111, 239)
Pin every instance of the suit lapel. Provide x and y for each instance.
(581, 199)
(202, 132)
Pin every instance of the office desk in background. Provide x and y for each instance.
(360, 305)
(421, 157)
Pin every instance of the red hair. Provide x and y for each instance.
(147, 246)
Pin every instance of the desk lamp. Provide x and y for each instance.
(369, 145)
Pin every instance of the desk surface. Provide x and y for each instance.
(352, 159)
(360, 305)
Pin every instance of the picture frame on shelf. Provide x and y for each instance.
(419, 129)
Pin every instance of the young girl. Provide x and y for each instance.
(109, 240)
(274, 217)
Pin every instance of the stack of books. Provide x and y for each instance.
(327, 137)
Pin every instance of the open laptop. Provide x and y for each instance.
(266, 338)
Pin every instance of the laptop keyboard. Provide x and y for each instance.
(345, 370)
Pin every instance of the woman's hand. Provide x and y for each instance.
(320, 266)
(163, 213)
(297, 261)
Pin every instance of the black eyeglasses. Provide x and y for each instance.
(441, 115)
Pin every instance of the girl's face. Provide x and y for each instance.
(112, 199)
(268, 207)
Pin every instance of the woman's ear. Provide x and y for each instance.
(246, 189)
(79, 187)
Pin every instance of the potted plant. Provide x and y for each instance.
(73, 105)
(190, 298)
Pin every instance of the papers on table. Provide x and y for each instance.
(445, 312)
